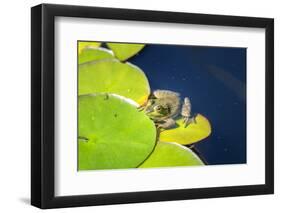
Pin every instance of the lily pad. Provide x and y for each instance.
(91, 54)
(113, 76)
(108, 136)
(170, 155)
(84, 44)
(123, 51)
(194, 132)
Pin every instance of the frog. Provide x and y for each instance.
(164, 106)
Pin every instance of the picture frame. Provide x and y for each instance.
(43, 116)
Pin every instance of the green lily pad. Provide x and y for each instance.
(194, 132)
(123, 51)
(84, 44)
(171, 155)
(113, 133)
(113, 76)
(91, 54)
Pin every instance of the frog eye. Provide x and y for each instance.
(158, 108)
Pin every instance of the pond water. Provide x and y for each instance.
(214, 78)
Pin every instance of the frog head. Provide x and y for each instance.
(157, 109)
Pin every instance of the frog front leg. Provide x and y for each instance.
(140, 108)
(167, 124)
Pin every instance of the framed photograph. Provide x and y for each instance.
(140, 106)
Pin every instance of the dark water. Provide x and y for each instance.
(214, 78)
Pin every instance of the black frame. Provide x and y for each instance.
(43, 117)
